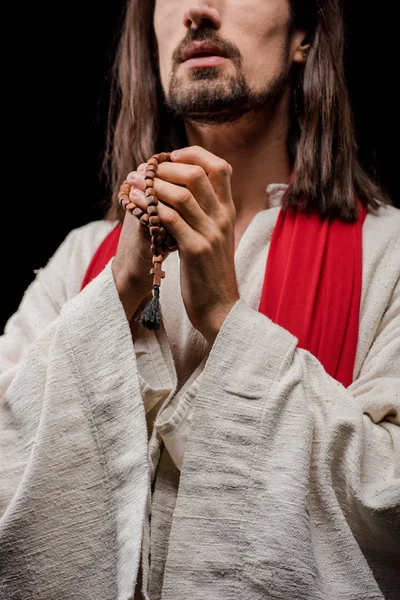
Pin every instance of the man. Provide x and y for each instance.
(248, 447)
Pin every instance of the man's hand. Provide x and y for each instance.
(196, 207)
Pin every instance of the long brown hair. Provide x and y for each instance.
(328, 175)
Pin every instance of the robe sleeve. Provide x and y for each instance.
(74, 478)
(52, 286)
(292, 480)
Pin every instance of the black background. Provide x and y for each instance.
(55, 81)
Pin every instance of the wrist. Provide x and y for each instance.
(131, 296)
(211, 326)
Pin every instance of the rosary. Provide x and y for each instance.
(161, 240)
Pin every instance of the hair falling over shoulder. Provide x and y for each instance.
(328, 175)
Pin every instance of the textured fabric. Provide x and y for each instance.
(312, 278)
(289, 485)
(163, 506)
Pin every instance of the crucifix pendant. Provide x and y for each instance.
(157, 273)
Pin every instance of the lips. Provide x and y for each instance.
(200, 49)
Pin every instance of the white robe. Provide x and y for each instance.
(289, 484)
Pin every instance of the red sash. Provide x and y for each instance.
(103, 255)
(312, 284)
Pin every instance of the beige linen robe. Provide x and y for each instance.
(289, 484)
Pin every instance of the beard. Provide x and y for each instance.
(214, 98)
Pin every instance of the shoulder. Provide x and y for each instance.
(381, 237)
(81, 243)
(381, 250)
(380, 277)
(84, 240)
(73, 256)
(382, 227)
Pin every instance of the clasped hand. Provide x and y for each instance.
(196, 207)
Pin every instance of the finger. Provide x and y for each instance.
(184, 235)
(136, 180)
(184, 203)
(178, 197)
(170, 219)
(194, 179)
(218, 170)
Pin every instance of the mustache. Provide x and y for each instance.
(206, 34)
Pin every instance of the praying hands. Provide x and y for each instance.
(196, 207)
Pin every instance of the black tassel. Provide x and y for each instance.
(150, 318)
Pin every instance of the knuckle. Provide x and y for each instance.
(216, 236)
(197, 174)
(226, 220)
(171, 218)
(202, 248)
(185, 196)
(225, 233)
(225, 226)
(224, 167)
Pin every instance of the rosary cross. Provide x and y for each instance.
(158, 273)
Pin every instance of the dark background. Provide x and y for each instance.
(56, 80)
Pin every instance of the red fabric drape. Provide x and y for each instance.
(103, 255)
(312, 284)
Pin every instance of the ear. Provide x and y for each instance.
(300, 46)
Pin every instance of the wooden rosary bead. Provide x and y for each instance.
(157, 240)
(169, 244)
(137, 212)
(123, 192)
(161, 241)
(152, 200)
(145, 218)
(122, 198)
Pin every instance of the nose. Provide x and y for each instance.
(199, 11)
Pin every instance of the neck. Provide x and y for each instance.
(256, 149)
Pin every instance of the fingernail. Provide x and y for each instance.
(175, 154)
